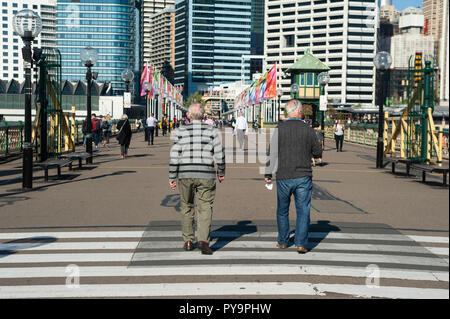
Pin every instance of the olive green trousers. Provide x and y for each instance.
(203, 192)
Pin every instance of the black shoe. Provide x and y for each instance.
(204, 247)
(188, 246)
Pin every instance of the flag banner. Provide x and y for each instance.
(144, 78)
(260, 90)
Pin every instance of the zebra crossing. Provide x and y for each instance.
(358, 260)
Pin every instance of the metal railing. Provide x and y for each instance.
(11, 138)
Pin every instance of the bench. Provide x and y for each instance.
(52, 163)
(80, 156)
(431, 169)
(394, 160)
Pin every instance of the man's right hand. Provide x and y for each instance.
(173, 185)
(268, 180)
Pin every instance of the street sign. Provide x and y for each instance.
(323, 103)
(127, 100)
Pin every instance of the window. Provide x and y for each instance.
(309, 79)
(289, 40)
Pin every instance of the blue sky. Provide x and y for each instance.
(403, 4)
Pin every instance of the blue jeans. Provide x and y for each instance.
(302, 190)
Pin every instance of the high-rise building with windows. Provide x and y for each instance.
(151, 13)
(11, 60)
(210, 39)
(341, 33)
(107, 26)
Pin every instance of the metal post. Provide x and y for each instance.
(27, 176)
(89, 114)
(427, 102)
(380, 142)
(43, 119)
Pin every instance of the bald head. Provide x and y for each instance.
(196, 111)
(294, 108)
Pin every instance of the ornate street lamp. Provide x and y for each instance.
(147, 88)
(294, 90)
(89, 57)
(27, 24)
(127, 76)
(323, 79)
(382, 62)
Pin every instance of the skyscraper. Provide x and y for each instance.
(148, 10)
(11, 44)
(341, 33)
(107, 26)
(210, 39)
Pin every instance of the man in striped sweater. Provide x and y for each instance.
(195, 148)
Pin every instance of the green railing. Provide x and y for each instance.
(365, 134)
(11, 138)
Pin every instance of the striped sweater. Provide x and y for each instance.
(196, 147)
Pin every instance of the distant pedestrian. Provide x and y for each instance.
(196, 175)
(339, 129)
(164, 124)
(96, 129)
(319, 135)
(241, 130)
(293, 145)
(124, 136)
(106, 129)
(138, 123)
(84, 129)
(210, 121)
(151, 124)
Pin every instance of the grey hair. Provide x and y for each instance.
(293, 106)
(124, 117)
(196, 111)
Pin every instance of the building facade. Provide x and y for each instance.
(432, 11)
(162, 41)
(341, 33)
(148, 10)
(11, 43)
(210, 39)
(108, 27)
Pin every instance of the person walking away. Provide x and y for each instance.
(320, 138)
(138, 124)
(164, 125)
(84, 130)
(292, 146)
(241, 130)
(106, 129)
(124, 136)
(233, 124)
(151, 124)
(196, 176)
(339, 135)
(175, 122)
(96, 130)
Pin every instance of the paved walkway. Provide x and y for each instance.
(118, 221)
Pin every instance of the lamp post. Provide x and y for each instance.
(294, 91)
(382, 62)
(147, 88)
(89, 57)
(27, 24)
(279, 94)
(127, 76)
(323, 79)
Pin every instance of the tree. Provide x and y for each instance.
(193, 98)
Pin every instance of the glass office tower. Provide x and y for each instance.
(210, 39)
(107, 26)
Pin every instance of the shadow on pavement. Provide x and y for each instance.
(324, 228)
(172, 200)
(233, 232)
(14, 246)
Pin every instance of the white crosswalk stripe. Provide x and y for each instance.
(140, 263)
